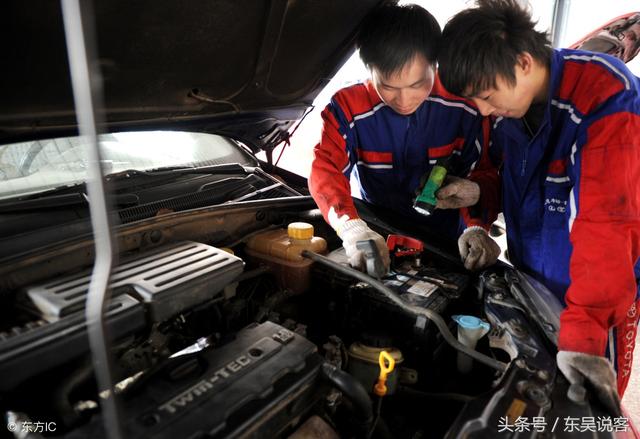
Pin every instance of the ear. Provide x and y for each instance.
(525, 62)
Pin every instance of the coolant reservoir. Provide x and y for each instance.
(287, 244)
(281, 249)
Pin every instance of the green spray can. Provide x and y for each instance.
(425, 203)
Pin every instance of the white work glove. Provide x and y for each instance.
(355, 230)
(579, 367)
(477, 249)
(457, 192)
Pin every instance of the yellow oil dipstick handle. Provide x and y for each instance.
(386, 368)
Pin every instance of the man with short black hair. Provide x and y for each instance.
(565, 127)
(391, 130)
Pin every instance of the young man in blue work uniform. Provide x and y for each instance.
(391, 130)
(565, 126)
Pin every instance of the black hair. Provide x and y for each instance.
(391, 36)
(482, 43)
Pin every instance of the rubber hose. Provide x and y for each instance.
(410, 309)
(355, 392)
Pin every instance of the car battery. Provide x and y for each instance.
(425, 287)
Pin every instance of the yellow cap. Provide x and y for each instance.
(300, 231)
(387, 363)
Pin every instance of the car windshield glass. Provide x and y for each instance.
(36, 166)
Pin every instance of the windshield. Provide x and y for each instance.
(32, 167)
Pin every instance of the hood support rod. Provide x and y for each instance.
(80, 41)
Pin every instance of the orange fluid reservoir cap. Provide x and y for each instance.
(300, 231)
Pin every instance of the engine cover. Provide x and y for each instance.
(253, 386)
(169, 280)
(146, 288)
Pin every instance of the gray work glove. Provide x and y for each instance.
(477, 249)
(355, 230)
(457, 192)
(579, 367)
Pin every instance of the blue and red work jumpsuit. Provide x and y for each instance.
(390, 152)
(571, 200)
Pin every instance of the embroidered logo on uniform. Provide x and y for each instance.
(555, 205)
(629, 340)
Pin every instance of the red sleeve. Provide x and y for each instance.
(605, 234)
(485, 174)
(328, 185)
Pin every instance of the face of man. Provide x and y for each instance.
(511, 100)
(405, 89)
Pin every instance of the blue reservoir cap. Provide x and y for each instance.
(470, 322)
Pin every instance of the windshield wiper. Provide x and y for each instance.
(44, 202)
(53, 198)
(51, 201)
(227, 168)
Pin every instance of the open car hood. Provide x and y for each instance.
(180, 65)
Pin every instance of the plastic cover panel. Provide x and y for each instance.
(169, 281)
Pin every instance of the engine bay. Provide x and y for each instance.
(247, 340)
